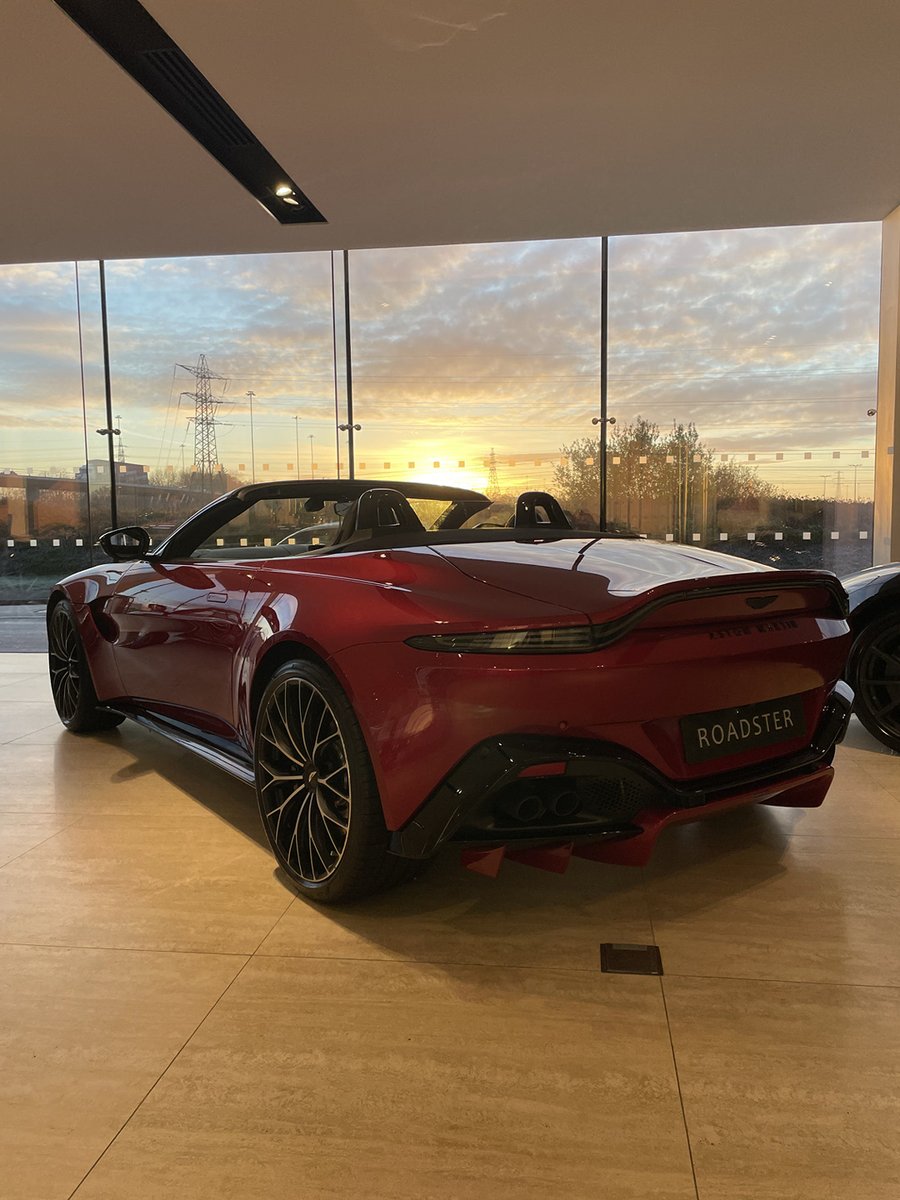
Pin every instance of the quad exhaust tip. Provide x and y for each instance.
(564, 803)
(529, 807)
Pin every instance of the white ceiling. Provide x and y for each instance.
(416, 122)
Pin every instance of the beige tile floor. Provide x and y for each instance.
(174, 1022)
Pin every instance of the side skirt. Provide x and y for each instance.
(235, 762)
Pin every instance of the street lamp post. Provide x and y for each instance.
(312, 464)
(297, 444)
(250, 396)
(855, 467)
(348, 427)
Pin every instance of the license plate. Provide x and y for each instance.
(735, 730)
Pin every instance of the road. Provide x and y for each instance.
(23, 628)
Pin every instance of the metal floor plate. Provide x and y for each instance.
(622, 958)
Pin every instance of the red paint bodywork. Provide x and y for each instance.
(187, 639)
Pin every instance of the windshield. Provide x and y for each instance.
(284, 528)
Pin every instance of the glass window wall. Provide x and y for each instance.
(742, 374)
(222, 373)
(49, 363)
(474, 365)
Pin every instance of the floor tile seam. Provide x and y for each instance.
(42, 842)
(109, 1145)
(156, 818)
(662, 993)
(35, 812)
(877, 778)
(287, 908)
(47, 812)
(127, 949)
(427, 962)
(31, 732)
(27, 707)
(846, 837)
(767, 979)
(866, 765)
(681, 1103)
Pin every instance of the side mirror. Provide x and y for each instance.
(126, 545)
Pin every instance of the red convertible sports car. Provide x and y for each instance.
(423, 671)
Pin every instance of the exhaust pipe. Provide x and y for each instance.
(527, 808)
(564, 804)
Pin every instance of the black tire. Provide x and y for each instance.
(318, 800)
(70, 677)
(873, 671)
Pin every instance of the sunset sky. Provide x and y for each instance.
(767, 339)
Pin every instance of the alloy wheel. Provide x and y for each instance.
(877, 679)
(304, 780)
(65, 666)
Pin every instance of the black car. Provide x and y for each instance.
(873, 668)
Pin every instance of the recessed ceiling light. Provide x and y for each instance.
(135, 40)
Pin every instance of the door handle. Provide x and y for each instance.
(217, 597)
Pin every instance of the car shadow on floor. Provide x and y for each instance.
(720, 858)
(182, 772)
(859, 738)
(586, 887)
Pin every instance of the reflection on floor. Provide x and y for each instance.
(175, 1022)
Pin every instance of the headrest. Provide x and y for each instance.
(378, 511)
(528, 504)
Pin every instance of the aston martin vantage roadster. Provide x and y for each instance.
(399, 666)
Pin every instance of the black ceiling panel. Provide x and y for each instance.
(130, 35)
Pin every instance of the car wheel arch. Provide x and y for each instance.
(288, 650)
(56, 597)
(880, 621)
(293, 650)
(872, 609)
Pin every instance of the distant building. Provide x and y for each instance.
(96, 472)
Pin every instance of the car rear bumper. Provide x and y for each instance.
(422, 712)
(615, 803)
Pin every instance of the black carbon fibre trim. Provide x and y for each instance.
(497, 762)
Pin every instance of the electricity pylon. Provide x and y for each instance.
(206, 457)
(121, 441)
(493, 486)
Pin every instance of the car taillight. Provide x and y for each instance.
(565, 639)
